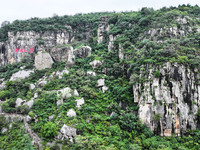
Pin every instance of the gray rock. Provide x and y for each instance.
(43, 60)
(59, 102)
(65, 54)
(76, 93)
(3, 85)
(65, 93)
(19, 102)
(100, 82)
(91, 73)
(21, 75)
(29, 103)
(80, 102)
(71, 113)
(61, 73)
(32, 86)
(3, 130)
(83, 52)
(68, 131)
(96, 63)
(42, 83)
(104, 89)
(35, 95)
(51, 117)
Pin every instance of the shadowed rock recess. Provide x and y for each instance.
(128, 80)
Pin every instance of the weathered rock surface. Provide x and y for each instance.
(61, 73)
(65, 54)
(71, 113)
(31, 86)
(26, 40)
(21, 75)
(43, 60)
(96, 63)
(19, 102)
(83, 52)
(100, 82)
(169, 103)
(76, 93)
(65, 93)
(80, 102)
(91, 73)
(103, 26)
(3, 130)
(67, 132)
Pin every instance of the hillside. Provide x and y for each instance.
(128, 80)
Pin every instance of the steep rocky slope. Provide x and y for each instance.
(101, 81)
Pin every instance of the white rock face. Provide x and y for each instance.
(104, 89)
(65, 93)
(61, 73)
(83, 52)
(3, 130)
(43, 60)
(42, 83)
(111, 42)
(35, 95)
(19, 102)
(59, 102)
(32, 86)
(21, 75)
(103, 26)
(68, 132)
(100, 82)
(91, 73)
(76, 93)
(71, 113)
(3, 85)
(29, 103)
(96, 63)
(80, 102)
(171, 99)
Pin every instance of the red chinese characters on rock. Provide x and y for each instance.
(24, 50)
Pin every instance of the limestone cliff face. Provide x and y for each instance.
(25, 40)
(168, 102)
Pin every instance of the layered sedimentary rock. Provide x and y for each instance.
(169, 98)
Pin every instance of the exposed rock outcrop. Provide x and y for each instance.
(103, 26)
(21, 75)
(96, 63)
(43, 60)
(168, 102)
(83, 52)
(71, 113)
(65, 54)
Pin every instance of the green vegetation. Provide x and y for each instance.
(107, 120)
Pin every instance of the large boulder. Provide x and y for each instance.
(65, 54)
(21, 75)
(43, 60)
(83, 52)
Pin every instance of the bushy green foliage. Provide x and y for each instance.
(49, 130)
